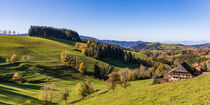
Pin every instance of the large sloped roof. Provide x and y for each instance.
(182, 68)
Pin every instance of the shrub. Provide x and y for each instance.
(154, 80)
(27, 102)
(113, 80)
(68, 59)
(46, 93)
(17, 77)
(26, 58)
(13, 58)
(82, 68)
(84, 88)
(124, 79)
(7, 60)
(65, 95)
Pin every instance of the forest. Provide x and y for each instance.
(44, 31)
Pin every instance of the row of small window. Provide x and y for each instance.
(189, 76)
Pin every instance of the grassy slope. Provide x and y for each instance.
(188, 92)
(46, 52)
(45, 67)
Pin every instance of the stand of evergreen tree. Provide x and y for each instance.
(44, 31)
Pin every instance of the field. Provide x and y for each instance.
(140, 93)
(45, 68)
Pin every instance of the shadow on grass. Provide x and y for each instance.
(103, 92)
(2, 60)
(76, 101)
(120, 63)
(8, 95)
(22, 86)
(1, 103)
(10, 65)
(88, 97)
(61, 72)
(62, 40)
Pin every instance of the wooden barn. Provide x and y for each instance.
(181, 72)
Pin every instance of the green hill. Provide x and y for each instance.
(45, 68)
(193, 91)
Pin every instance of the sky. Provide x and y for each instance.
(130, 20)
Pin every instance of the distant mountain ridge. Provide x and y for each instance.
(126, 44)
(164, 46)
(136, 45)
(187, 42)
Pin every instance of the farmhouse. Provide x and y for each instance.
(181, 72)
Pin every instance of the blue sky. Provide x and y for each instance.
(147, 20)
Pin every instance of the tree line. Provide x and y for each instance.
(44, 31)
(99, 50)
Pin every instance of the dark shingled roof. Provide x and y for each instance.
(183, 68)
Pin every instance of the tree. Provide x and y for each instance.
(65, 95)
(46, 93)
(13, 58)
(113, 80)
(82, 67)
(205, 67)
(160, 71)
(154, 80)
(124, 79)
(26, 58)
(84, 88)
(44, 31)
(17, 77)
(96, 71)
(7, 60)
(9, 32)
(68, 59)
(13, 32)
(5, 32)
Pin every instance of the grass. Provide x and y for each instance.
(45, 68)
(189, 92)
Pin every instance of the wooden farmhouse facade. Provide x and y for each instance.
(181, 72)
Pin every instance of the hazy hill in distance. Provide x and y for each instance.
(202, 46)
(159, 46)
(164, 46)
(187, 42)
(143, 45)
(126, 44)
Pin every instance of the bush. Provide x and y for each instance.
(84, 88)
(26, 58)
(154, 80)
(65, 95)
(82, 68)
(7, 60)
(27, 102)
(13, 58)
(46, 93)
(124, 79)
(17, 77)
(113, 80)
